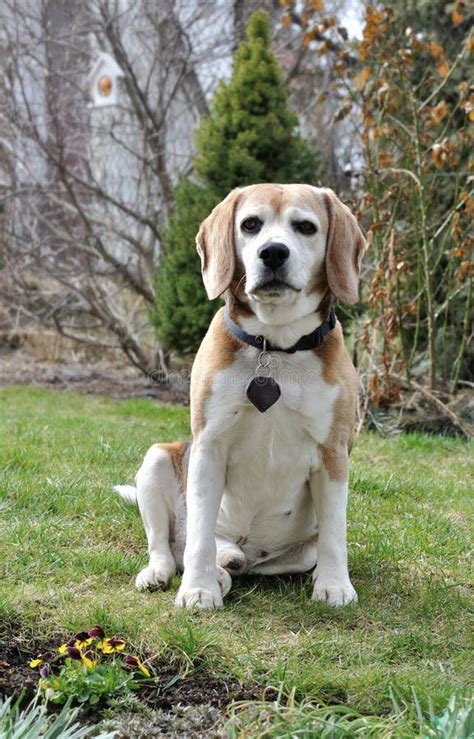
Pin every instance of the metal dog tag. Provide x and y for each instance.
(263, 392)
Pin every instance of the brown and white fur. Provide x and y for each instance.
(259, 492)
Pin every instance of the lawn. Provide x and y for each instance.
(70, 549)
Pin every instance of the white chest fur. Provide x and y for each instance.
(269, 456)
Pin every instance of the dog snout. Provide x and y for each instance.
(274, 255)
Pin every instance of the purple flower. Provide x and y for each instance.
(48, 655)
(97, 631)
(74, 652)
(82, 636)
(45, 671)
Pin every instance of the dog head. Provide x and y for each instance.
(281, 248)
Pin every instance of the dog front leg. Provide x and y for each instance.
(331, 576)
(204, 583)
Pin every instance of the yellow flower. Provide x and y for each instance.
(134, 662)
(81, 643)
(63, 649)
(36, 662)
(111, 645)
(143, 669)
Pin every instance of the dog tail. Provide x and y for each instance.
(127, 492)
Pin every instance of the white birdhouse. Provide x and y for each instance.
(102, 81)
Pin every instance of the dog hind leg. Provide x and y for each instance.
(158, 497)
(230, 556)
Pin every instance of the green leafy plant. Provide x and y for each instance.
(33, 721)
(89, 668)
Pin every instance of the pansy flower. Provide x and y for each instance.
(64, 647)
(97, 631)
(111, 645)
(41, 658)
(88, 660)
(133, 661)
(82, 639)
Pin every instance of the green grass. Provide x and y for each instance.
(286, 717)
(70, 549)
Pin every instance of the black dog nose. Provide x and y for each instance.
(274, 255)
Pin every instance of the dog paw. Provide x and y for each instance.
(224, 580)
(234, 562)
(189, 597)
(152, 578)
(334, 594)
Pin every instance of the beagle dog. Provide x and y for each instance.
(262, 488)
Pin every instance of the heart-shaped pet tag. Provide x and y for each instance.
(263, 392)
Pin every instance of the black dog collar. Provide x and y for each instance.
(307, 342)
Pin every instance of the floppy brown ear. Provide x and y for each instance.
(215, 245)
(344, 250)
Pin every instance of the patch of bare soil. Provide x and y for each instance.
(176, 706)
(110, 375)
(15, 675)
(195, 690)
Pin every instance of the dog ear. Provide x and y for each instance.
(215, 245)
(344, 250)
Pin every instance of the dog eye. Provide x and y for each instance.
(307, 228)
(251, 225)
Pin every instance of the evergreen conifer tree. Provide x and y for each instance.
(250, 136)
